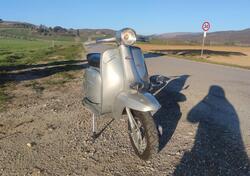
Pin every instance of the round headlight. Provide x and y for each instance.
(126, 36)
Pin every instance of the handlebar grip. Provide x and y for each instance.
(113, 39)
(90, 43)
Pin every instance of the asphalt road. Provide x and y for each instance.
(232, 85)
(214, 93)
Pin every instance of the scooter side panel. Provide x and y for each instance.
(112, 77)
(93, 85)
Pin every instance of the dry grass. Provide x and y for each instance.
(237, 60)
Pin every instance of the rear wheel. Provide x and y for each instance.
(143, 134)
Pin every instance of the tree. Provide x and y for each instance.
(42, 28)
(59, 29)
(1, 20)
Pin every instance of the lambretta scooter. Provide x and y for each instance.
(117, 82)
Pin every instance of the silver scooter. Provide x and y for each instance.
(117, 82)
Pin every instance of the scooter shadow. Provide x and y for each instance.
(168, 116)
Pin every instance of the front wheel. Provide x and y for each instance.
(142, 133)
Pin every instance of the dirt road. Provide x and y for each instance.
(205, 119)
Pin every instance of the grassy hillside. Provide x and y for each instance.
(25, 46)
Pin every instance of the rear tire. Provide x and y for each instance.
(150, 134)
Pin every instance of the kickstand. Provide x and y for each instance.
(95, 134)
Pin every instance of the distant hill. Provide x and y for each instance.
(241, 37)
(172, 35)
(15, 24)
(29, 31)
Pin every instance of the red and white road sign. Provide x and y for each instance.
(206, 26)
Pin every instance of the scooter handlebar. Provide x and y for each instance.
(107, 40)
(113, 39)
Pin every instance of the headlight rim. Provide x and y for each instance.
(120, 37)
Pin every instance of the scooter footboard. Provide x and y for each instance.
(139, 101)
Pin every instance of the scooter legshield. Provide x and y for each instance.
(139, 101)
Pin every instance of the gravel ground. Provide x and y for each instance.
(47, 131)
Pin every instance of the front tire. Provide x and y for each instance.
(149, 134)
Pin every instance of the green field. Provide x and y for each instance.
(19, 53)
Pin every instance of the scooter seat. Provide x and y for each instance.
(94, 59)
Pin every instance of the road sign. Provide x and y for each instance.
(206, 26)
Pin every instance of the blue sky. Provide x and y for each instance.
(145, 16)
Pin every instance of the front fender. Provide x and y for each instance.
(139, 101)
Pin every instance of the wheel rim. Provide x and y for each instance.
(138, 136)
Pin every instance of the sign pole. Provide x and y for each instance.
(203, 43)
